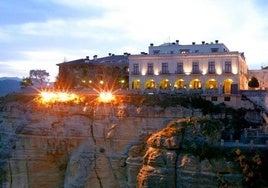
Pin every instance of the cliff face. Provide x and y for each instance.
(76, 145)
(169, 161)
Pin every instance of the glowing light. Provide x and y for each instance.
(187, 73)
(52, 97)
(218, 71)
(143, 71)
(106, 97)
(234, 70)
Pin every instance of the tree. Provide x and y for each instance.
(39, 76)
(253, 83)
(26, 82)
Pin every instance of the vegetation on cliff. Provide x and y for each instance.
(199, 137)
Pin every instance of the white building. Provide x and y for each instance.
(207, 67)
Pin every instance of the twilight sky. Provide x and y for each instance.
(38, 34)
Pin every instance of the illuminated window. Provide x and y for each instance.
(228, 67)
(195, 68)
(211, 67)
(136, 68)
(180, 68)
(184, 51)
(150, 68)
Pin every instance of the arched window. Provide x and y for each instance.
(136, 84)
(150, 84)
(164, 84)
(211, 84)
(227, 83)
(180, 84)
(195, 84)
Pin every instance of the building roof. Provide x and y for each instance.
(108, 60)
(176, 48)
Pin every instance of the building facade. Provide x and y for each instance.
(109, 72)
(207, 67)
(261, 75)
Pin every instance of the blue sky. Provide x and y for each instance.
(38, 34)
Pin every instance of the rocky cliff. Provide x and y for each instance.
(67, 145)
(177, 156)
(104, 145)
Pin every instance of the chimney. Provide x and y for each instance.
(152, 44)
(125, 54)
(177, 41)
(110, 54)
(87, 57)
(216, 41)
(193, 43)
(95, 57)
(203, 42)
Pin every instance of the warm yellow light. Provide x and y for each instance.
(143, 71)
(187, 73)
(234, 70)
(204, 72)
(101, 82)
(52, 97)
(219, 71)
(106, 97)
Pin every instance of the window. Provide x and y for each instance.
(211, 67)
(195, 68)
(227, 98)
(156, 51)
(136, 68)
(213, 50)
(228, 67)
(179, 68)
(214, 98)
(150, 68)
(184, 51)
(165, 68)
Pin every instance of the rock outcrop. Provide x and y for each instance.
(169, 161)
(108, 145)
(67, 145)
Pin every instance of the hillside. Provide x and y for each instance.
(9, 85)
